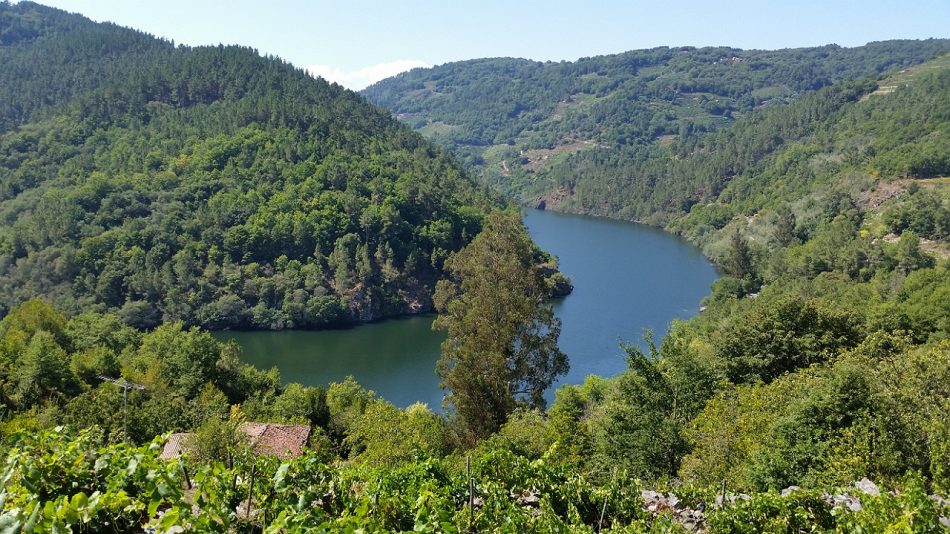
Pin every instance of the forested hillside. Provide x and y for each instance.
(565, 133)
(880, 147)
(821, 359)
(821, 356)
(209, 185)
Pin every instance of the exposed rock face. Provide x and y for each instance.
(843, 500)
(693, 519)
(789, 490)
(365, 305)
(551, 200)
(867, 486)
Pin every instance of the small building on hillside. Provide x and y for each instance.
(282, 441)
(175, 446)
(265, 439)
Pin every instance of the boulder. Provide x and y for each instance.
(867, 487)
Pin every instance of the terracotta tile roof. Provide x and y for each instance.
(283, 441)
(174, 446)
(253, 430)
(272, 439)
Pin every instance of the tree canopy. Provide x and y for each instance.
(631, 135)
(210, 185)
(501, 346)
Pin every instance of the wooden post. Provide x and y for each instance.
(471, 494)
(125, 413)
(187, 478)
(603, 509)
(234, 479)
(250, 490)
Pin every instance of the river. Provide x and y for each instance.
(628, 278)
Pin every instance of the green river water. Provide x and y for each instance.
(627, 278)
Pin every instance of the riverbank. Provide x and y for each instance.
(628, 279)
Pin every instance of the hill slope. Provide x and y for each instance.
(858, 144)
(821, 359)
(559, 132)
(209, 184)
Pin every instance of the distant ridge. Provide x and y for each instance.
(556, 132)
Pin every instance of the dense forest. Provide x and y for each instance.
(210, 185)
(566, 133)
(812, 394)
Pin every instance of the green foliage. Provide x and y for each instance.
(57, 481)
(828, 426)
(303, 404)
(218, 439)
(738, 260)
(728, 288)
(652, 134)
(768, 512)
(211, 186)
(920, 305)
(631, 422)
(637, 432)
(526, 433)
(124, 488)
(190, 380)
(923, 213)
(346, 402)
(171, 357)
(779, 335)
(501, 347)
(172, 186)
(908, 255)
(571, 418)
(832, 247)
(41, 371)
(386, 435)
(89, 330)
(34, 316)
(911, 510)
(786, 232)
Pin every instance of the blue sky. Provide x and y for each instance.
(357, 42)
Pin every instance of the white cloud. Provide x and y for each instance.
(360, 78)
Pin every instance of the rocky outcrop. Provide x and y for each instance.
(558, 284)
(693, 518)
(365, 305)
(550, 201)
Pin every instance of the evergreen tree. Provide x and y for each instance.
(785, 223)
(738, 261)
(501, 348)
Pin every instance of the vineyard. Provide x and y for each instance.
(151, 194)
(61, 481)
